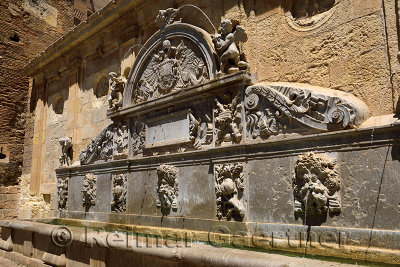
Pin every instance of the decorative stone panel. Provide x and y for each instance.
(316, 185)
(62, 193)
(167, 188)
(89, 190)
(119, 191)
(229, 187)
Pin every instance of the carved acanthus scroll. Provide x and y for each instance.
(229, 186)
(118, 203)
(316, 186)
(167, 189)
(89, 190)
(275, 108)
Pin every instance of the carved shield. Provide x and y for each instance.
(167, 75)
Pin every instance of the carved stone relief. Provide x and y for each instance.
(316, 185)
(305, 15)
(200, 129)
(174, 66)
(226, 43)
(166, 17)
(276, 108)
(229, 187)
(101, 147)
(167, 189)
(118, 203)
(120, 141)
(138, 137)
(62, 193)
(117, 85)
(228, 119)
(66, 151)
(89, 190)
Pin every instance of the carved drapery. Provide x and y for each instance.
(229, 187)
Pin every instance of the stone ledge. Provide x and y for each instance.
(194, 254)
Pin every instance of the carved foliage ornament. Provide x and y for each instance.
(167, 189)
(89, 190)
(271, 109)
(316, 186)
(171, 68)
(62, 193)
(118, 203)
(229, 186)
(138, 137)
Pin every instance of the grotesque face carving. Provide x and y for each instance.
(316, 186)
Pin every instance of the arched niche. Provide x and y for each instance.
(174, 58)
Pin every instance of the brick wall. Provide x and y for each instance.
(26, 28)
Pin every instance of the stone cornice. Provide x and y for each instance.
(96, 23)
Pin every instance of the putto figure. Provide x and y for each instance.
(117, 86)
(226, 43)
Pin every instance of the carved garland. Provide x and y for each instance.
(62, 193)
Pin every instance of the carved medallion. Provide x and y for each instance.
(118, 203)
(229, 187)
(316, 185)
(167, 189)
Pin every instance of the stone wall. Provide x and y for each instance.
(349, 45)
(26, 28)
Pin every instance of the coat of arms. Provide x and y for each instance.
(171, 68)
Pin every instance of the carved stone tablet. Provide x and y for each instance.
(171, 129)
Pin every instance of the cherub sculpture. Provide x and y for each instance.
(226, 44)
(117, 86)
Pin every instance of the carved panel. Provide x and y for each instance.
(177, 64)
(228, 119)
(118, 203)
(167, 190)
(316, 185)
(89, 190)
(62, 193)
(101, 147)
(229, 187)
(66, 151)
(272, 109)
(120, 141)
